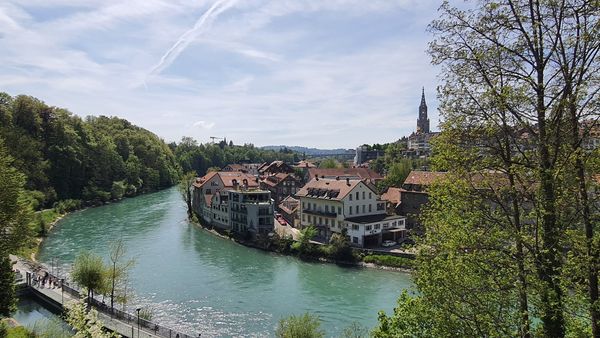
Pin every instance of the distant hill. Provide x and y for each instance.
(309, 151)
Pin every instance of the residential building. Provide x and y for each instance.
(392, 197)
(275, 167)
(280, 185)
(233, 201)
(413, 194)
(335, 204)
(289, 210)
(234, 167)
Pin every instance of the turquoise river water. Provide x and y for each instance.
(199, 283)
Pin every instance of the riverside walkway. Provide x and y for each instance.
(123, 323)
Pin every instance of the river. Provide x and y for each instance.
(199, 283)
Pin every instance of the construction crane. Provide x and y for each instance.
(213, 138)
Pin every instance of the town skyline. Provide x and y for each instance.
(254, 72)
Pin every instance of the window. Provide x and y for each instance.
(370, 195)
(351, 197)
(349, 210)
(355, 227)
(370, 207)
(326, 221)
(303, 217)
(314, 207)
(355, 240)
(357, 196)
(377, 226)
(368, 227)
(340, 224)
(364, 209)
(357, 210)
(207, 191)
(394, 223)
(303, 205)
(363, 195)
(326, 208)
(339, 210)
(320, 220)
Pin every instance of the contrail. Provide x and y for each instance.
(186, 38)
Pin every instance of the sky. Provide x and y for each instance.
(316, 73)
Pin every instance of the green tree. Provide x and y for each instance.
(89, 272)
(15, 219)
(329, 164)
(302, 326)
(118, 270)
(85, 322)
(185, 186)
(504, 232)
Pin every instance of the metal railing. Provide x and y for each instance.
(125, 317)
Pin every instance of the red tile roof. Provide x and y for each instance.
(393, 195)
(423, 177)
(325, 188)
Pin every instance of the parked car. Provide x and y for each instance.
(388, 243)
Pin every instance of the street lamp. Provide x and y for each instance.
(138, 318)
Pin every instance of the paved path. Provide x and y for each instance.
(60, 298)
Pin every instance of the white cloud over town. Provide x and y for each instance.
(315, 73)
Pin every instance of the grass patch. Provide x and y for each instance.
(393, 261)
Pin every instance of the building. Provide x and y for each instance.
(289, 210)
(419, 141)
(335, 204)
(358, 173)
(413, 194)
(233, 201)
(392, 197)
(250, 212)
(275, 167)
(363, 155)
(234, 167)
(280, 185)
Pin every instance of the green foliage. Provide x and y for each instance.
(67, 205)
(339, 247)
(355, 330)
(84, 322)
(49, 329)
(96, 159)
(330, 164)
(146, 314)
(392, 261)
(117, 273)
(89, 272)
(7, 287)
(202, 158)
(302, 326)
(19, 332)
(303, 245)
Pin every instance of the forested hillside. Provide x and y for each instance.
(197, 157)
(95, 159)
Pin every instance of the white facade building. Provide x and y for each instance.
(333, 204)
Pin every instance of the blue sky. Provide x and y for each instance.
(318, 73)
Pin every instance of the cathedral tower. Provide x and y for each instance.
(423, 121)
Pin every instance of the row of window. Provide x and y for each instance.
(327, 208)
(363, 195)
(364, 209)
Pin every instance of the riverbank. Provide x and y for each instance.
(362, 260)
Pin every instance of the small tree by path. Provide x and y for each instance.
(117, 270)
(302, 326)
(89, 272)
(85, 322)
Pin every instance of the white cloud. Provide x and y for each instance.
(204, 125)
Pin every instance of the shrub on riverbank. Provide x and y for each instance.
(392, 261)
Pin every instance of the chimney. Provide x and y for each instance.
(337, 178)
(235, 184)
(317, 177)
(245, 184)
(348, 181)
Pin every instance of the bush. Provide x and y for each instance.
(392, 261)
(67, 205)
(118, 190)
(303, 326)
(19, 332)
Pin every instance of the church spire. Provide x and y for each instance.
(423, 121)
